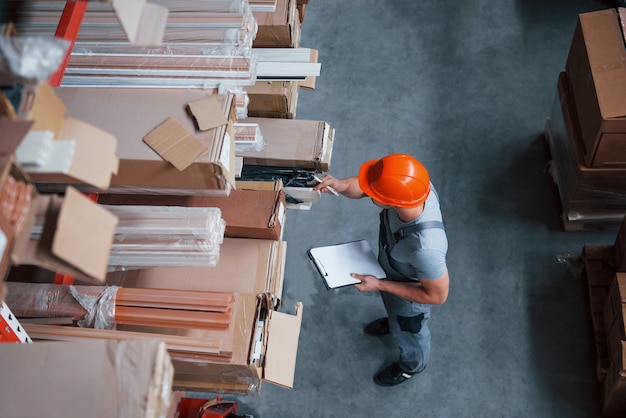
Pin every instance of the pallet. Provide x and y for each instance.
(573, 221)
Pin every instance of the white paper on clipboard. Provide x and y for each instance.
(335, 263)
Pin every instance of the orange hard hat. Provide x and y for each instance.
(395, 180)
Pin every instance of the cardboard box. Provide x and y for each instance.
(584, 191)
(273, 99)
(615, 298)
(247, 213)
(620, 247)
(254, 270)
(598, 78)
(94, 161)
(305, 144)
(76, 237)
(617, 332)
(130, 114)
(614, 402)
(281, 28)
(86, 378)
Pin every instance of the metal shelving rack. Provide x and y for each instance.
(68, 28)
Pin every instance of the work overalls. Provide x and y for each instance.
(408, 321)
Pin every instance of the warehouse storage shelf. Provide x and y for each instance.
(68, 28)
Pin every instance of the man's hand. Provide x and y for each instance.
(368, 282)
(348, 187)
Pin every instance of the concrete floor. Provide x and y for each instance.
(466, 88)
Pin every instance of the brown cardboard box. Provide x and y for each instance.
(76, 238)
(273, 99)
(94, 161)
(615, 298)
(620, 247)
(598, 78)
(583, 190)
(130, 114)
(253, 269)
(614, 402)
(247, 213)
(305, 144)
(617, 332)
(281, 28)
(85, 379)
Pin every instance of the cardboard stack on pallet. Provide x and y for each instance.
(605, 272)
(586, 130)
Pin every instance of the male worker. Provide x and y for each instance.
(412, 251)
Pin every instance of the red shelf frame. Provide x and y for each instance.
(68, 28)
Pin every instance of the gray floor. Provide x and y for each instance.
(466, 88)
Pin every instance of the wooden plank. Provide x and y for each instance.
(171, 318)
(177, 343)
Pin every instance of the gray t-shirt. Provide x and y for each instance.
(420, 255)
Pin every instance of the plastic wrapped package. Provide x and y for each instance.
(100, 308)
(148, 236)
(242, 100)
(91, 307)
(585, 192)
(161, 236)
(130, 379)
(248, 137)
(205, 44)
(167, 223)
(187, 22)
(32, 57)
(105, 307)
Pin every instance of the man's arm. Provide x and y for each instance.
(429, 292)
(348, 187)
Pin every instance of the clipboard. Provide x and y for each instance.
(336, 262)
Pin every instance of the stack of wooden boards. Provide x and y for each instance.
(586, 130)
(191, 44)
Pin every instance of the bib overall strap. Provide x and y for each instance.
(402, 232)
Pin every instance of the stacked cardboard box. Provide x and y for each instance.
(587, 127)
(280, 28)
(273, 99)
(115, 378)
(605, 271)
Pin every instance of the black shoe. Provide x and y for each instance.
(377, 328)
(392, 375)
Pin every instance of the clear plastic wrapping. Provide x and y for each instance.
(167, 223)
(586, 193)
(100, 309)
(248, 137)
(90, 306)
(32, 57)
(152, 236)
(206, 44)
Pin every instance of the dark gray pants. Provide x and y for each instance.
(408, 322)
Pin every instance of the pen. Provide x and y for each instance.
(333, 191)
